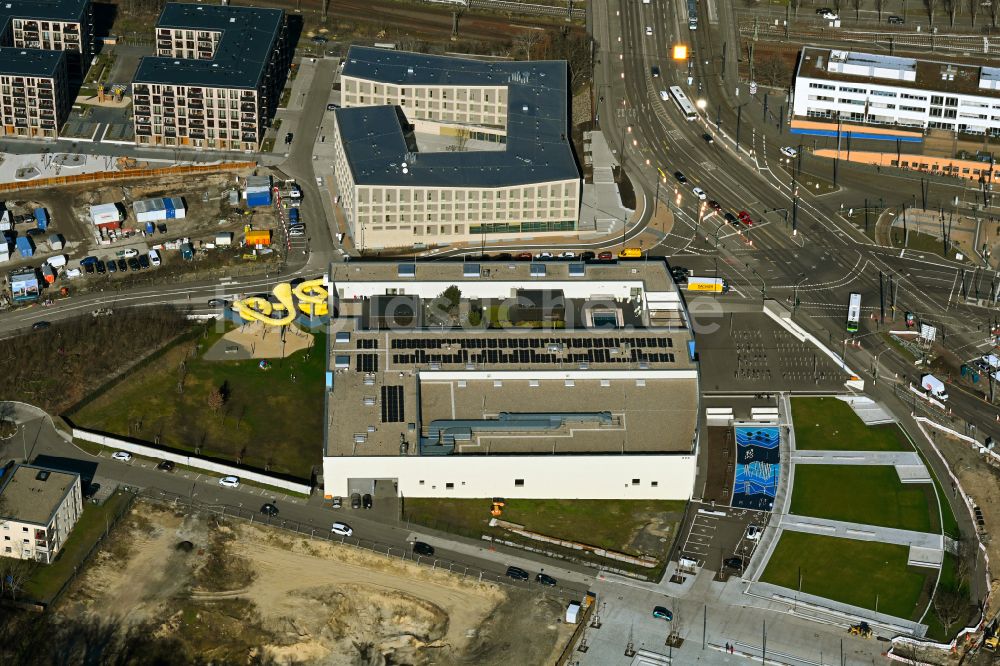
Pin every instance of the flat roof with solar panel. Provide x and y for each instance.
(575, 374)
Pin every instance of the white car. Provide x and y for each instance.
(154, 257)
(753, 533)
(543, 255)
(568, 255)
(788, 151)
(342, 529)
(123, 456)
(664, 95)
(129, 253)
(649, 31)
(700, 193)
(229, 482)
(297, 233)
(73, 273)
(828, 14)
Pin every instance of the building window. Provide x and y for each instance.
(519, 483)
(654, 483)
(449, 486)
(635, 482)
(421, 482)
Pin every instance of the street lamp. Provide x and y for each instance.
(795, 292)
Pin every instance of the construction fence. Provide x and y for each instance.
(128, 174)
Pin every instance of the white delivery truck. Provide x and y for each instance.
(934, 387)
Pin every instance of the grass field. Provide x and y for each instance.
(849, 571)
(867, 494)
(49, 578)
(829, 424)
(613, 524)
(269, 420)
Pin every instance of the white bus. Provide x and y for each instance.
(683, 103)
(853, 313)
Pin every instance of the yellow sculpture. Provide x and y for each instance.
(309, 298)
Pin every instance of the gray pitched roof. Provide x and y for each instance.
(537, 148)
(248, 37)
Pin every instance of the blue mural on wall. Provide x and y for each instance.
(758, 467)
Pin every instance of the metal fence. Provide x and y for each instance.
(324, 534)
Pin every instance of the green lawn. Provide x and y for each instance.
(613, 524)
(867, 494)
(849, 571)
(49, 578)
(829, 424)
(269, 420)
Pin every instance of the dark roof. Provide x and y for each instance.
(30, 62)
(42, 10)
(248, 37)
(537, 148)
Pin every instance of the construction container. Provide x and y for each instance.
(224, 238)
(57, 261)
(48, 273)
(42, 217)
(258, 237)
(25, 246)
(106, 215)
(162, 208)
(258, 197)
(56, 242)
(4, 250)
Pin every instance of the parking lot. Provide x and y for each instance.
(717, 533)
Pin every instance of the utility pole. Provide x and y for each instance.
(881, 300)
(739, 118)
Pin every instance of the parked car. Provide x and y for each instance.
(229, 482)
(112, 266)
(154, 257)
(73, 273)
(143, 261)
(606, 256)
(827, 14)
(788, 151)
(366, 501)
(662, 613)
(217, 303)
(681, 178)
(700, 193)
(129, 253)
(89, 268)
(123, 456)
(92, 489)
(356, 501)
(166, 465)
(341, 529)
(524, 256)
(896, 20)
(545, 579)
(587, 256)
(40, 325)
(122, 266)
(708, 138)
(331, 107)
(269, 510)
(733, 563)
(753, 533)
(297, 233)
(133, 263)
(288, 138)
(100, 267)
(543, 255)
(337, 503)
(567, 255)
(421, 548)
(517, 573)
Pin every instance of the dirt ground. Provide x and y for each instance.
(261, 341)
(242, 589)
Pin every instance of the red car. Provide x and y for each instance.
(524, 256)
(745, 218)
(605, 256)
(714, 205)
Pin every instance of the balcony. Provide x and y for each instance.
(195, 93)
(196, 123)
(195, 104)
(249, 117)
(144, 131)
(143, 120)
(248, 108)
(71, 29)
(250, 137)
(142, 109)
(196, 134)
(48, 124)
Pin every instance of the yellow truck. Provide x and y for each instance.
(710, 285)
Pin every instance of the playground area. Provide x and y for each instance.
(257, 340)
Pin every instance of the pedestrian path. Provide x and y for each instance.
(860, 531)
(855, 458)
(867, 409)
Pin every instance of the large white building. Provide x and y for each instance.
(38, 509)
(435, 149)
(905, 92)
(540, 380)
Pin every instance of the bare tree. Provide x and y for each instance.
(949, 606)
(879, 6)
(974, 10)
(952, 7)
(994, 12)
(795, 6)
(526, 41)
(773, 71)
(837, 5)
(14, 574)
(857, 8)
(932, 6)
(215, 400)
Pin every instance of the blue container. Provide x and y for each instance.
(255, 199)
(25, 246)
(42, 218)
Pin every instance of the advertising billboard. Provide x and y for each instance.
(24, 287)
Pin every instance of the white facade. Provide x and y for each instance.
(879, 90)
(105, 214)
(660, 476)
(24, 533)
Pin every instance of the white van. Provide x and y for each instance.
(154, 257)
(57, 261)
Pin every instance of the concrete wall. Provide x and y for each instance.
(492, 289)
(544, 477)
(190, 461)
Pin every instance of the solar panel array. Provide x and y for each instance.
(366, 362)
(392, 404)
(534, 351)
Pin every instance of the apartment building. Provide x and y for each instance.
(34, 92)
(436, 149)
(38, 509)
(216, 77)
(877, 89)
(576, 381)
(50, 25)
